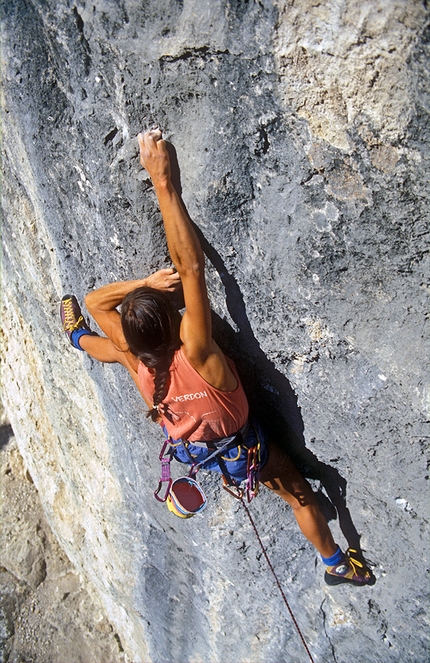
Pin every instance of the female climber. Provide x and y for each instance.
(190, 387)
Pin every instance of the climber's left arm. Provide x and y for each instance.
(102, 303)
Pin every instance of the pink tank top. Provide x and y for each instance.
(192, 408)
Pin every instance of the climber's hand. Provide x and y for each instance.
(154, 156)
(167, 280)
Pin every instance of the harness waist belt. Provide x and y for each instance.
(220, 441)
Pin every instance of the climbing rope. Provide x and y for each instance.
(277, 581)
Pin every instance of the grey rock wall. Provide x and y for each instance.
(301, 130)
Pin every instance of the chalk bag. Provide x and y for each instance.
(185, 498)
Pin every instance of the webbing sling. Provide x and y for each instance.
(216, 453)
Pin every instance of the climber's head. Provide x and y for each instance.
(150, 325)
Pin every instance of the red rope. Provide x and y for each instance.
(277, 581)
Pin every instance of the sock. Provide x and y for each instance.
(76, 335)
(335, 559)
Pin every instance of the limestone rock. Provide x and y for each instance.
(301, 130)
(50, 616)
(22, 542)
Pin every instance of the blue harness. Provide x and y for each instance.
(238, 458)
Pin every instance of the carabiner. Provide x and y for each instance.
(253, 473)
(160, 483)
(163, 448)
(165, 473)
(193, 470)
(235, 491)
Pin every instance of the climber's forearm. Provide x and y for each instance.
(182, 241)
(183, 244)
(102, 305)
(109, 296)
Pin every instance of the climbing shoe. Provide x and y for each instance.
(352, 569)
(73, 321)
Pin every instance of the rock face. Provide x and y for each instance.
(301, 130)
(47, 613)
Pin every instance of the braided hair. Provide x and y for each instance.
(151, 329)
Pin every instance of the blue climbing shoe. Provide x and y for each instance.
(352, 569)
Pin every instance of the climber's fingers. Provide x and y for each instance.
(154, 156)
(153, 134)
(167, 280)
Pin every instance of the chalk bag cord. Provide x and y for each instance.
(277, 581)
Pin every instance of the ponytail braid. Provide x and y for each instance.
(160, 389)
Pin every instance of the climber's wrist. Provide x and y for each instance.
(162, 184)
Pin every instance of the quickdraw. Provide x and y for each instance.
(253, 471)
(165, 473)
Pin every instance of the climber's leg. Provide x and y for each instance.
(281, 475)
(81, 336)
(100, 348)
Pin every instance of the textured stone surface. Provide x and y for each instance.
(47, 611)
(301, 130)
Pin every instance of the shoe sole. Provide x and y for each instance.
(332, 580)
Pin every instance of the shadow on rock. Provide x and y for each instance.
(6, 433)
(274, 402)
(271, 397)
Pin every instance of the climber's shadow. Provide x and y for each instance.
(272, 399)
(6, 433)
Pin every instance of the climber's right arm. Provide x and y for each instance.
(184, 248)
(186, 253)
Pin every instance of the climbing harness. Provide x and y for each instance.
(277, 581)
(184, 496)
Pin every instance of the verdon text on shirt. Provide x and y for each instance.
(189, 397)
